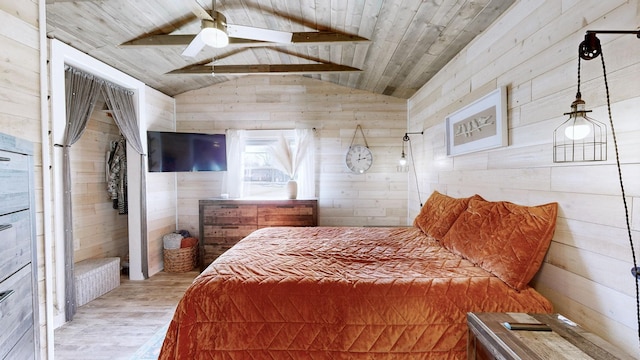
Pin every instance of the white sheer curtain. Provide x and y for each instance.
(233, 177)
(307, 173)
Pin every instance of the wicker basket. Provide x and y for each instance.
(180, 260)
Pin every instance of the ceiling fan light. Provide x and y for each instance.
(214, 32)
(215, 37)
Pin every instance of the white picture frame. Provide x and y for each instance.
(481, 125)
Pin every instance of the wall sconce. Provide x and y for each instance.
(592, 150)
(579, 138)
(402, 163)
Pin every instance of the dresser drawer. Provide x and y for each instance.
(24, 347)
(226, 234)
(16, 309)
(15, 243)
(230, 214)
(14, 177)
(286, 215)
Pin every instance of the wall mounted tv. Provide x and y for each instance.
(179, 152)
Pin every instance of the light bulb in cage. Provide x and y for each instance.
(580, 138)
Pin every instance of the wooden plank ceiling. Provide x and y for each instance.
(405, 41)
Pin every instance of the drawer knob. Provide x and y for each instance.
(2, 158)
(5, 227)
(4, 295)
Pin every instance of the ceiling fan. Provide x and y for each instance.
(215, 31)
(214, 28)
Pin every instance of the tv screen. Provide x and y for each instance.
(178, 152)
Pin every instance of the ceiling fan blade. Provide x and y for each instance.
(253, 33)
(195, 46)
(198, 10)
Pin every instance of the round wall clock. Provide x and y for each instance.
(359, 158)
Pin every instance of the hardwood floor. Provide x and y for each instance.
(116, 324)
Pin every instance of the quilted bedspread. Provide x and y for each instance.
(337, 293)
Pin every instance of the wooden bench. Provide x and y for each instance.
(95, 277)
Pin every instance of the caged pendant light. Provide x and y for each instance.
(581, 138)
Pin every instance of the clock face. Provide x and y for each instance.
(359, 158)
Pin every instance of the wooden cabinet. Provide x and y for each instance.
(18, 282)
(225, 222)
(490, 339)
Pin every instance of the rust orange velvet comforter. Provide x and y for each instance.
(337, 293)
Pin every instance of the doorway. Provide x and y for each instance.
(61, 55)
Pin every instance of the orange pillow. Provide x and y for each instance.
(188, 242)
(439, 213)
(507, 240)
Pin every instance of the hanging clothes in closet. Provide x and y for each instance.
(117, 175)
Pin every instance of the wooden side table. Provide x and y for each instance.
(490, 339)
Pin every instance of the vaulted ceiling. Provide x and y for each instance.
(389, 47)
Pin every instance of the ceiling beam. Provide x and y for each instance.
(324, 37)
(298, 38)
(290, 69)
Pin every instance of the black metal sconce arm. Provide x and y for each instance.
(590, 48)
(406, 135)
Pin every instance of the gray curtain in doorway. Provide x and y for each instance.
(121, 103)
(82, 91)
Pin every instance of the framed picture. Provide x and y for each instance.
(480, 125)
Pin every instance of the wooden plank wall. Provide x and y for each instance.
(98, 230)
(161, 187)
(287, 102)
(20, 104)
(532, 50)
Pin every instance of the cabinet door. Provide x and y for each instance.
(293, 214)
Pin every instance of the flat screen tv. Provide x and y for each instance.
(181, 152)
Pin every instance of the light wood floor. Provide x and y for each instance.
(116, 324)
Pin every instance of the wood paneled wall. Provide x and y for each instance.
(288, 102)
(532, 50)
(98, 230)
(20, 104)
(161, 187)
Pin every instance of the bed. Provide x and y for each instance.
(365, 292)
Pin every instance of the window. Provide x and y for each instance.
(262, 177)
(253, 172)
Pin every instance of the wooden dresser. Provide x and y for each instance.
(18, 269)
(225, 222)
